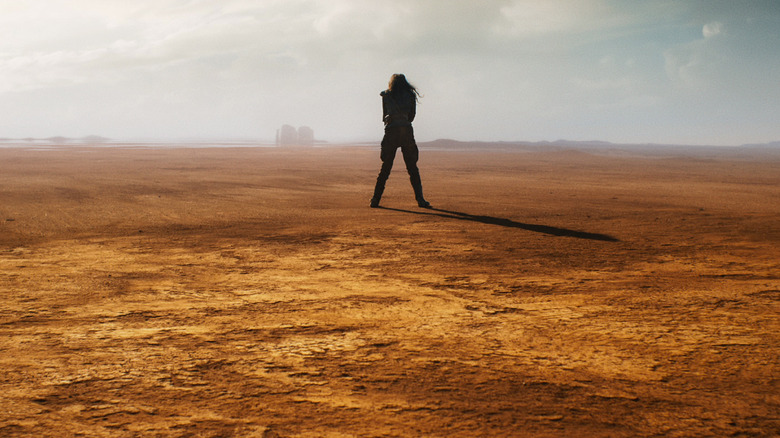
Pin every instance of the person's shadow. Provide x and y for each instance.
(545, 229)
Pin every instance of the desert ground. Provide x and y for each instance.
(251, 292)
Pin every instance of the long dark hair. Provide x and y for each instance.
(398, 84)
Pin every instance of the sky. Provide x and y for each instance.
(625, 71)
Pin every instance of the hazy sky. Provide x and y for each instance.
(639, 71)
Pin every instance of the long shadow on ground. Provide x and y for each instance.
(554, 231)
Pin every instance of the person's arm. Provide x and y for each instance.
(413, 111)
(384, 105)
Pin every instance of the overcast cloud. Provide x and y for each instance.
(692, 72)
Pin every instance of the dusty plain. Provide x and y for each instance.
(251, 292)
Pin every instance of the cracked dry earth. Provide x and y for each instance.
(251, 292)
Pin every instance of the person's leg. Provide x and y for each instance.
(411, 155)
(387, 156)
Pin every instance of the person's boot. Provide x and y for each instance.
(378, 190)
(418, 193)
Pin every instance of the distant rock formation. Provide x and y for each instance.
(289, 136)
(58, 139)
(305, 136)
(95, 139)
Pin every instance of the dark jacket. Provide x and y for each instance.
(398, 110)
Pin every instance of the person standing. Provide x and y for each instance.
(399, 106)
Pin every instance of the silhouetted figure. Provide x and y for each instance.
(399, 106)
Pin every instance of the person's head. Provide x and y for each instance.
(399, 84)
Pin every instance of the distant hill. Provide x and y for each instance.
(746, 151)
(58, 139)
(773, 144)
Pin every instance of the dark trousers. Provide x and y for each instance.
(399, 137)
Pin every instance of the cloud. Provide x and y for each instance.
(496, 69)
(86, 40)
(532, 18)
(711, 29)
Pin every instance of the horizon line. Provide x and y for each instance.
(98, 139)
